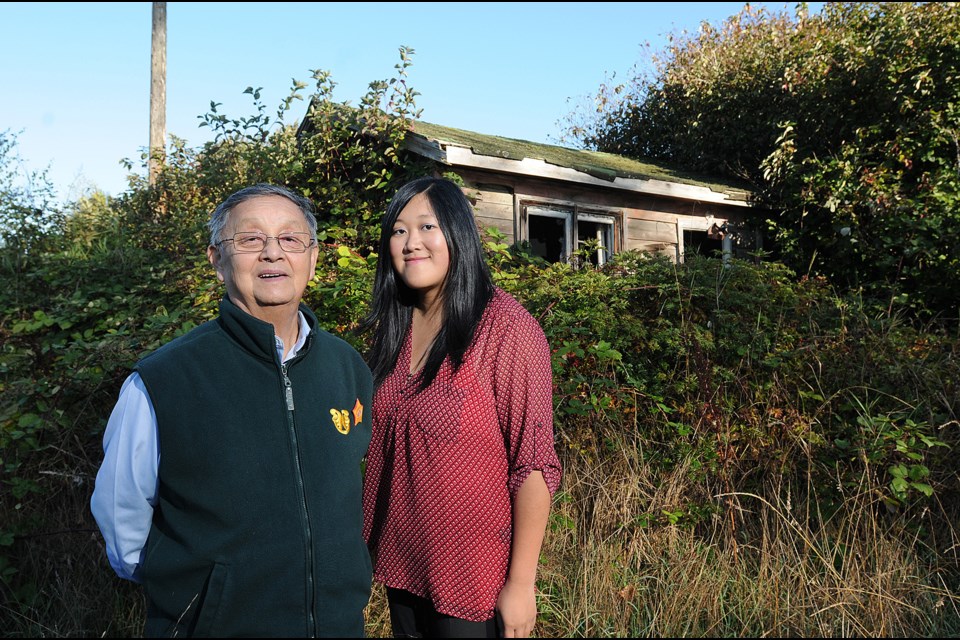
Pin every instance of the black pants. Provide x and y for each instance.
(414, 617)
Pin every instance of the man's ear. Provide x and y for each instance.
(313, 260)
(215, 258)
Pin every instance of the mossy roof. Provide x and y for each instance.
(605, 166)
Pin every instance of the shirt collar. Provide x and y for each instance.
(301, 339)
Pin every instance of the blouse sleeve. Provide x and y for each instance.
(523, 388)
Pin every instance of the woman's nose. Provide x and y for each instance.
(413, 241)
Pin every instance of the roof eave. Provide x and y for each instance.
(457, 155)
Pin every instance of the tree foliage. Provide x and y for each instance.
(28, 212)
(845, 123)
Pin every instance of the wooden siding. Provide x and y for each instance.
(493, 205)
(639, 230)
(647, 223)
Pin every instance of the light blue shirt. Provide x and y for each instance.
(126, 487)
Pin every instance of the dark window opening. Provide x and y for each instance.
(546, 236)
(697, 242)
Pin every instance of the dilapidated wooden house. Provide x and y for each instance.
(557, 200)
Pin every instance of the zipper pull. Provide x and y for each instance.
(288, 388)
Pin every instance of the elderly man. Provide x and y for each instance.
(231, 479)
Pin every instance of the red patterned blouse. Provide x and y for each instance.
(444, 465)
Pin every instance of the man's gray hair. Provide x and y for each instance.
(219, 218)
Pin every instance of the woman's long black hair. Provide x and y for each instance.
(466, 291)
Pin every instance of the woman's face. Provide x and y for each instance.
(418, 248)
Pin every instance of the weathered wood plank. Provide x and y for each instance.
(650, 231)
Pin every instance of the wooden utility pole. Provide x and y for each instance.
(158, 92)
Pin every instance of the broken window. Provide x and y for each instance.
(557, 233)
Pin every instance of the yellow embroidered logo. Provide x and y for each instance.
(341, 420)
(341, 417)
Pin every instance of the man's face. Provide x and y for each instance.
(270, 280)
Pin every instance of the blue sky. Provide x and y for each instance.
(75, 76)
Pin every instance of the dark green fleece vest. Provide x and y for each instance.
(258, 526)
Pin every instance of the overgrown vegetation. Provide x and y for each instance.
(748, 451)
(845, 123)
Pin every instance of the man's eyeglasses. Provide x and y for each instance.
(255, 242)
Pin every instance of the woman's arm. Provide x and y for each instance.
(523, 388)
(517, 602)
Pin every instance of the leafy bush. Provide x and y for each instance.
(722, 368)
(844, 123)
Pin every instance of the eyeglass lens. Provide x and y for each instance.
(293, 242)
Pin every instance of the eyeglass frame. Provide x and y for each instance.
(266, 239)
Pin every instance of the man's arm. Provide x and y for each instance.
(126, 486)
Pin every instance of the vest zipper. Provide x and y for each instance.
(287, 387)
(291, 422)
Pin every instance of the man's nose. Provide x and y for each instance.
(272, 249)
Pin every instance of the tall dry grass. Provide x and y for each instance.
(764, 565)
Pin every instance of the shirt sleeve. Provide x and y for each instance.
(125, 491)
(523, 387)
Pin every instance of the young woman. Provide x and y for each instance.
(461, 468)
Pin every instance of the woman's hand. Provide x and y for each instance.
(517, 604)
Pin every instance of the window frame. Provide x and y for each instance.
(700, 225)
(573, 213)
